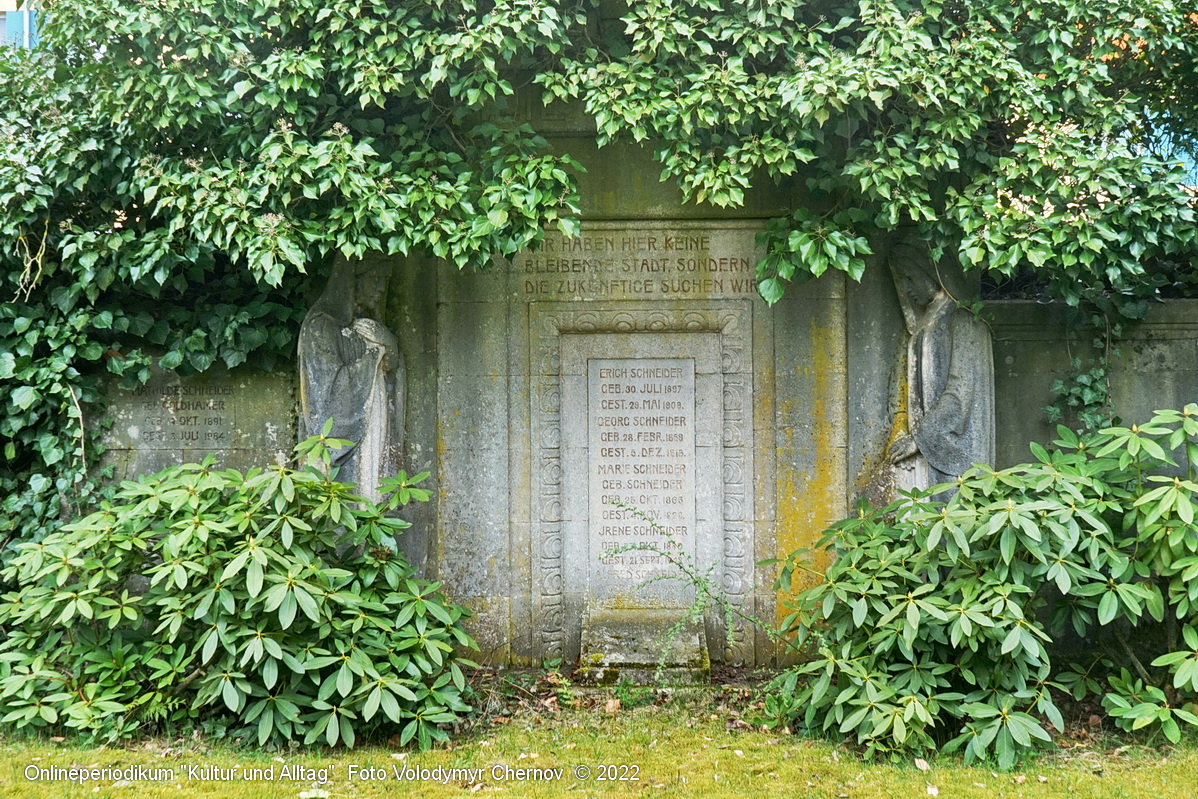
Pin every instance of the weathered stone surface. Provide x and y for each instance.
(653, 645)
(247, 418)
(505, 392)
(636, 369)
(659, 262)
(810, 426)
(876, 348)
(352, 372)
(950, 372)
(781, 407)
(1156, 367)
(521, 355)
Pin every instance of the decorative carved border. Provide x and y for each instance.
(732, 320)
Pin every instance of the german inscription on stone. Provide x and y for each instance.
(246, 419)
(642, 454)
(179, 416)
(638, 263)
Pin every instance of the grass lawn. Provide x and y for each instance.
(694, 744)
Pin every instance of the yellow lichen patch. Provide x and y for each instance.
(811, 472)
(902, 414)
(875, 481)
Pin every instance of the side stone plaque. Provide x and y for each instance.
(642, 445)
(245, 419)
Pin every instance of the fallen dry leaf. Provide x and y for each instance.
(933, 790)
(921, 764)
(611, 706)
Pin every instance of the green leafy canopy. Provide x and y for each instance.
(1006, 134)
(170, 171)
(273, 133)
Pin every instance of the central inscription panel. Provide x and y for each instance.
(641, 437)
(644, 407)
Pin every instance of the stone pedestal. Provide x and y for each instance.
(644, 647)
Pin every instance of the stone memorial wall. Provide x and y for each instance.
(1155, 367)
(641, 415)
(634, 364)
(634, 367)
(634, 261)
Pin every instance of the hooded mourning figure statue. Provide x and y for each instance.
(351, 369)
(950, 373)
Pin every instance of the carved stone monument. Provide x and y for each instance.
(950, 373)
(244, 418)
(631, 366)
(634, 365)
(643, 453)
(351, 371)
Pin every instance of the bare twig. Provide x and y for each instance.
(1135, 661)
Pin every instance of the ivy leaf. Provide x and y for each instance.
(171, 360)
(770, 290)
(25, 396)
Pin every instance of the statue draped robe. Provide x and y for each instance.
(351, 370)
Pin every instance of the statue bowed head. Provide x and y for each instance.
(950, 373)
(351, 370)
